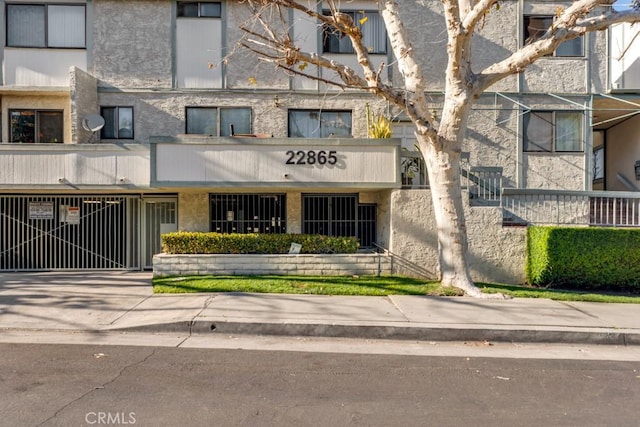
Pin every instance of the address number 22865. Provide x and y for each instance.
(303, 157)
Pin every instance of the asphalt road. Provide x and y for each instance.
(76, 385)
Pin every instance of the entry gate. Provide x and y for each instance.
(159, 216)
(69, 232)
(339, 215)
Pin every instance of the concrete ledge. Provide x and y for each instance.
(285, 264)
(391, 332)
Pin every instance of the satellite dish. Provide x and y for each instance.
(92, 123)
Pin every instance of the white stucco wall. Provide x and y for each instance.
(496, 253)
(132, 43)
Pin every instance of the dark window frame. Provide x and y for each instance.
(530, 38)
(218, 118)
(554, 136)
(36, 131)
(320, 113)
(45, 6)
(181, 13)
(117, 118)
(328, 33)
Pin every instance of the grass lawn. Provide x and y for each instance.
(360, 285)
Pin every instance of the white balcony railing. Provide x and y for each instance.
(73, 166)
(552, 207)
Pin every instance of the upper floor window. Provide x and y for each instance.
(553, 131)
(535, 26)
(374, 35)
(118, 123)
(199, 9)
(319, 124)
(36, 126)
(46, 25)
(223, 121)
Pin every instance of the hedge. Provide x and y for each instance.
(216, 243)
(586, 258)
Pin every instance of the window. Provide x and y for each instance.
(45, 26)
(199, 10)
(370, 23)
(598, 164)
(223, 121)
(536, 26)
(319, 124)
(553, 131)
(36, 126)
(248, 213)
(118, 123)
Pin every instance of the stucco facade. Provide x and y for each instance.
(149, 59)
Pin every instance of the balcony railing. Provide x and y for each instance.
(74, 166)
(484, 185)
(552, 207)
(289, 162)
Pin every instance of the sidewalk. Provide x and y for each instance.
(119, 301)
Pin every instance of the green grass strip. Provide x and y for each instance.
(362, 286)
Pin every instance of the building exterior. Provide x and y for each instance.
(124, 120)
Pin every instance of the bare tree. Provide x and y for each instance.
(439, 139)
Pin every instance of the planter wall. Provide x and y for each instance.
(332, 264)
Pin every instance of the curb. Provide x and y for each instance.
(417, 333)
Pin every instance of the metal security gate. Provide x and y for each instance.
(339, 215)
(69, 232)
(160, 216)
(248, 213)
(367, 224)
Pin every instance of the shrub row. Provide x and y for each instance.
(587, 258)
(216, 243)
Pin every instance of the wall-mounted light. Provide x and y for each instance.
(276, 101)
(61, 180)
(637, 168)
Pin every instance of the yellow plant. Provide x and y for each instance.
(378, 126)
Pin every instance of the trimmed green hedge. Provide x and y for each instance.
(182, 242)
(587, 258)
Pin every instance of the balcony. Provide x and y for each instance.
(202, 161)
(71, 166)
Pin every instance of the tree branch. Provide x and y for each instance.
(415, 105)
(568, 26)
(478, 12)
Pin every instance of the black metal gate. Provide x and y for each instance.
(69, 232)
(248, 213)
(339, 215)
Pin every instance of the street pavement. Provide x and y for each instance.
(124, 302)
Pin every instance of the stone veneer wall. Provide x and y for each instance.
(83, 94)
(303, 264)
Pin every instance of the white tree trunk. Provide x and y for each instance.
(443, 167)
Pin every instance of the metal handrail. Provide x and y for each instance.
(405, 262)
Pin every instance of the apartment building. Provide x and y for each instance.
(124, 120)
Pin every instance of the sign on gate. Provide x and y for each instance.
(40, 210)
(73, 215)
